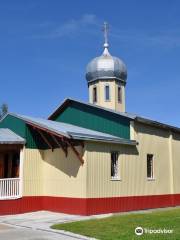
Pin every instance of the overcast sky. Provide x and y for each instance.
(45, 46)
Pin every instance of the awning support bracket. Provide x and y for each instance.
(60, 145)
(45, 139)
(75, 151)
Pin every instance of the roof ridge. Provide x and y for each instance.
(123, 114)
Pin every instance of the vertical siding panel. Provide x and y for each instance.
(33, 172)
(63, 176)
(132, 166)
(48, 173)
(176, 161)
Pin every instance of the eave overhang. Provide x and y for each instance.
(114, 140)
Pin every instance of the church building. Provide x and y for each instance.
(89, 158)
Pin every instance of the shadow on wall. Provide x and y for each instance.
(107, 148)
(130, 150)
(68, 165)
(176, 136)
(152, 130)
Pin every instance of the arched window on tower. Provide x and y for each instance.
(94, 94)
(107, 93)
(119, 94)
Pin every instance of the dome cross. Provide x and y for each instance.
(105, 30)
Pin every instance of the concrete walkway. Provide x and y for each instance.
(36, 226)
(39, 220)
(19, 233)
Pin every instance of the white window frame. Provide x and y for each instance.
(107, 100)
(117, 177)
(152, 170)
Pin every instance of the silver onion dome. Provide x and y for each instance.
(106, 66)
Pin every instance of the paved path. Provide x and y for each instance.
(36, 226)
(39, 220)
(15, 233)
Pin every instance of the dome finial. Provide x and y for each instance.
(105, 30)
(106, 45)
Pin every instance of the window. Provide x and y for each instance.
(94, 94)
(150, 166)
(107, 93)
(114, 165)
(119, 94)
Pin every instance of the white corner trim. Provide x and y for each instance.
(132, 131)
(21, 171)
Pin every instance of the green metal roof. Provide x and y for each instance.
(70, 131)
(67, 101)
(126, 115)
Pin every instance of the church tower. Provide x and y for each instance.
(106, 77)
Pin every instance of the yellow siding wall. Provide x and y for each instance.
(64, 176)
(176, 162)
(32, 172)
(99, 183)
(132, 165)
(113, 103)
(154, 141)
(52, 174)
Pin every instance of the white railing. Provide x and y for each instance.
(9, 188)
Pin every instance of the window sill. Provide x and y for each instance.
(116, 179)
(151, 179)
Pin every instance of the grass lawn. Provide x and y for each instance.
(123, 226)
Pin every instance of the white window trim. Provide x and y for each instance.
(116, 179)
(107, 100)
(153, 177)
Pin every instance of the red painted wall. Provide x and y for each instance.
(89, 206)
(55, 204)
(124, 204)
